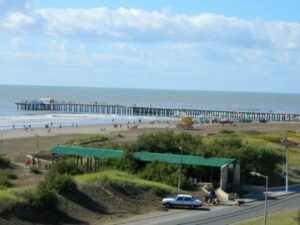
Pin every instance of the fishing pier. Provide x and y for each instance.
(101, 108)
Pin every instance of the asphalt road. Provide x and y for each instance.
(217, 215)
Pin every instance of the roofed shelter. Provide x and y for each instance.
(96, 154)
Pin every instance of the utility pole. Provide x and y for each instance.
(37, 142)
(285, 142)
(180, 168)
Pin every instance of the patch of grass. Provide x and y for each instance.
(34, 170)
(8, 196)
(119, 178)
(9, 174)
(88, 140)
(291, 217)
(5, 176)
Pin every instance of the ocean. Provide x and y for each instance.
(239, 101)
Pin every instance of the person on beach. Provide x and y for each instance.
(60, 126)
(27, 161)
(33, 162)
(13, 126)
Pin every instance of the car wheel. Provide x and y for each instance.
(168, 205)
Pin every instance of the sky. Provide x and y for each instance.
(228, 45)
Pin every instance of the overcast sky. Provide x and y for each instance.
(231, 45)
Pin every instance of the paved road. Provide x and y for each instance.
(216, 215)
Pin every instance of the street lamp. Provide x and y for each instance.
(179, 179)
(266, 195)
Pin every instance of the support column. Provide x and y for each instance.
(223, 177)
(237, 175)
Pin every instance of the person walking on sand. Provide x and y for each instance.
(27, 161)
(33, 162)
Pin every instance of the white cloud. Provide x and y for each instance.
(159, 45)
(15, 21)
(136, 25)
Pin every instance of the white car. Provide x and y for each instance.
(182, 200)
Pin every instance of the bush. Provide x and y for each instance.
(258, 159)
(128, 163)
(169, 142)
(40, 198)
(66, 167)
(60, 183)
(9, 174)
(4, 181)
(34, 170)
(5, 176)
(166, 173)
(4, 162)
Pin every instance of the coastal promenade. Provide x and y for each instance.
(206, 114)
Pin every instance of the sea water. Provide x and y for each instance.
(238, 101)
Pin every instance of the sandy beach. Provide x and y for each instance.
(19, 142)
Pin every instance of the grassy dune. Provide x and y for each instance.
(116, 177)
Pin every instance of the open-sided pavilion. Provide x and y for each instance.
(93, 157)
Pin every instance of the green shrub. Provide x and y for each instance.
(5, 176)
(128, 163)
(39, 198)
(166, 173)
(34, 170)
(4, 181)
(4, 162)
(61, 183)
(258, 159)
(9, 174)
(67, 167)
(169, 142)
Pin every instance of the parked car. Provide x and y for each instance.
(181, 200)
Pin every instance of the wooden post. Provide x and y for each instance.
(87, 164)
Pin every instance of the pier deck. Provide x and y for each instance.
(155, 111)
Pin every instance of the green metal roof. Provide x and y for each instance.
(186, 159)
(143, 156)
(87, 152)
